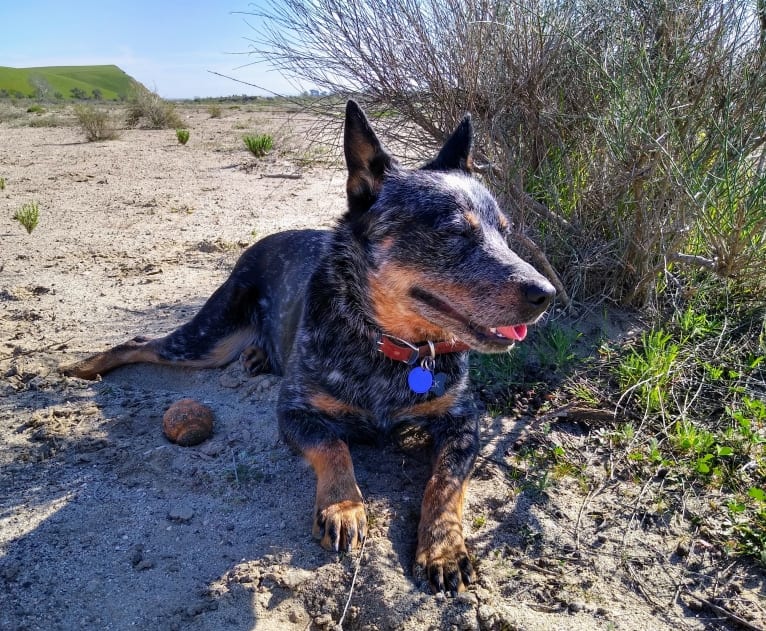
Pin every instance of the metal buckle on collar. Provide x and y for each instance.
(429, 363)
(415, 352)
(414, 356)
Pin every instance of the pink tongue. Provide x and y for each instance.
(518, 332)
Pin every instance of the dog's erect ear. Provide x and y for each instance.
(367, 160)
(456, 152)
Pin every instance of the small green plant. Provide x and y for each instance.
(2, 183)
(182, 135)
(556, 346)
(479, 522)
(748, 517)
(259, 145)
(95, 123)
(214, 110)
(35, 109)
(699, 445)
(28, 216)
(648, 370)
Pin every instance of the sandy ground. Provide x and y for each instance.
(104, 524)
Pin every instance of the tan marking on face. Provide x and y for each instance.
(473, 219)
(398, 314)
(395, 311)
(504, 223)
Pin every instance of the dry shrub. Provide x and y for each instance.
(626, 138)
(151, 110)
(96, 123)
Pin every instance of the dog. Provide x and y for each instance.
(370, 324)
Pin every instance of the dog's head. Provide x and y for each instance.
(440, 266)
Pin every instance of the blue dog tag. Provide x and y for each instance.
(440, 380)
(420, 380)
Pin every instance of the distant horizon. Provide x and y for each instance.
(259, 92)
(233, 95)
(171, 48)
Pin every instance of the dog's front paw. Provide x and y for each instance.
(341, 526)
(442, 559)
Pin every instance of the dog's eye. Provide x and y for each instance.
(460, 229)
(462, 232)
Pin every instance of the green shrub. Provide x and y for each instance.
(153, 110)
(28, 216)
(624, 138)
(35, 109)
(182, 135)
(96, 123)
(214, 110)
(259, 145)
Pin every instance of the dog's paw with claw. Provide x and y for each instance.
(341, 526)
(442, 561)
(254, 361)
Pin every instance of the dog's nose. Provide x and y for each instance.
(539, 294)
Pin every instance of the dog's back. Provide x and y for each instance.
(271, 277)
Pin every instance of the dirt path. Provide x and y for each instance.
(106, 525)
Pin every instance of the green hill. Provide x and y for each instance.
(66, 82)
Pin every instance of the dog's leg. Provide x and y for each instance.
(441, 555)
(224, 327)
(340, 521)
(175, 349)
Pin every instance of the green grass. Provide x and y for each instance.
(648, 369)
(111, 81)
(259, 145)
(28, 216)
(679, 408)
(696, 387)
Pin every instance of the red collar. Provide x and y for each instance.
(403, 351)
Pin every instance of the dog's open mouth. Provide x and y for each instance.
(516, 332)
(502, 336)
(477, 335)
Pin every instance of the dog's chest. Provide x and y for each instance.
(381, 391)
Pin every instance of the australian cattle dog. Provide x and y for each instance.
(370, 326)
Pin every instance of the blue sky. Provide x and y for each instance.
(167, 46)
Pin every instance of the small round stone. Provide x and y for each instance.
(187, 422)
